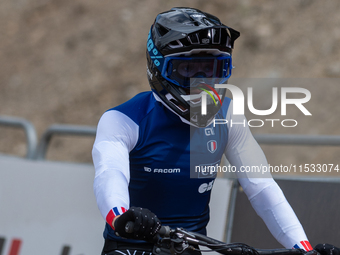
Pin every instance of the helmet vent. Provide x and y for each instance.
(175, 103)
(178, 105)
(195, 22)
(175, 44)
(161, 30)
(193, 39)
(216, 36)
(207, 22)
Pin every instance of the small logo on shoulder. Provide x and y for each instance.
(209, 131)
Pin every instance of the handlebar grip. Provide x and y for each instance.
(163, 231)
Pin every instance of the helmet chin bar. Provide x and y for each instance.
(182, 104)
(193, 114)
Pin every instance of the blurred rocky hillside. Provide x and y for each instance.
(67, 62)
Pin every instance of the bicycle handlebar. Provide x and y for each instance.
(179, 240)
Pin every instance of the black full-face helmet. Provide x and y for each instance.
(188, 52)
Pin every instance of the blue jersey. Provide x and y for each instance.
(166, 152)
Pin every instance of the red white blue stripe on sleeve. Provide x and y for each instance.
(303, 245)
(115, 211)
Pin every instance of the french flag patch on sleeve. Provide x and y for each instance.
(303, 245)
(113, 213)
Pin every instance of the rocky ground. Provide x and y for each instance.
(67, 62)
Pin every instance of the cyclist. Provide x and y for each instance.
(146, 148)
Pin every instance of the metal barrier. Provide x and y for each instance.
(282, 139)
(59, 129)
(322, 140)
(39, 152)
(30, 132)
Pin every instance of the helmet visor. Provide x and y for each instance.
(179, 70)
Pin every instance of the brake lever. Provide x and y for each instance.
(176, 243)
(184, 233)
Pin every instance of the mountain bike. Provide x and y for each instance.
(178, 240)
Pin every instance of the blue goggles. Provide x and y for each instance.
(179, 70)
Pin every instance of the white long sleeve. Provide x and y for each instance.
(264, 194)
(116, 136)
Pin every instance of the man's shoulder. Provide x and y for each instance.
(137, 107)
